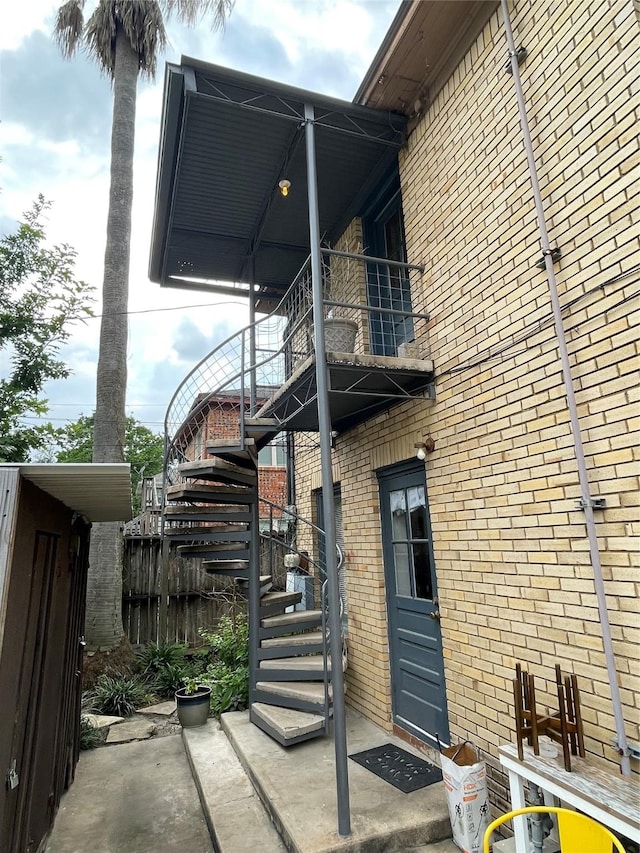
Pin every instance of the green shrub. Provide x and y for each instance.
(117, 694)
(229, 643)
(168, 679)
(158, 656)
(229, 687)
(90, 737)
(228, 671)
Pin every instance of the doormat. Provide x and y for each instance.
(398, 767)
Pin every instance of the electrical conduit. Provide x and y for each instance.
(623, 748)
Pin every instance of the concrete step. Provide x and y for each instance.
(299, 788)
(218, 471)
(310, 662)
(266, 582)
(274, 601)
(200, 493)
(236, 541)
(200, 534)
(287, 726)
(262, 430)
(236, 818)
(285, 623)
(215, 513)
(233, 450)
(227, 568)
(308, 693)
(295, 644)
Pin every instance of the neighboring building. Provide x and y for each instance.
(217, 416)
(475, 557)
(44, 549)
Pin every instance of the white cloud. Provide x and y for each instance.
(59, 146)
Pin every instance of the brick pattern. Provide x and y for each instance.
(223, 421)
(514, 575)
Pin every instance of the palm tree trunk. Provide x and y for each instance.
(104, 588)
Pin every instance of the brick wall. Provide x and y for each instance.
(514, 575)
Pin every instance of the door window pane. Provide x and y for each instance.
(398, 514)
(403, 570)
(418, 512)
(422, 568)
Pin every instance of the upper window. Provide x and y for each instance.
(387, 286)
(274, 455)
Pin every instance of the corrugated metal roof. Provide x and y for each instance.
(227, 139)
(101, 492)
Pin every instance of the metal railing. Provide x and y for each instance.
(246, 369)
(301, 529)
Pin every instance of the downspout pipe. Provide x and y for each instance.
(623, 748)
(328, 508)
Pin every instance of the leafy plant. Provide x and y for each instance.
(168, 679)
(229, 643)
(228, 672)
(90, 736)
(158, 656)
(191, 684)
(229, 688)
(117, 694)
(40, 299)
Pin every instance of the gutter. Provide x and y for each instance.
(395, 32)
(587, 502)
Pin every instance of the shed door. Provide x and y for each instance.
(415, 640)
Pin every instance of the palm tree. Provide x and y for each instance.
(125, 37)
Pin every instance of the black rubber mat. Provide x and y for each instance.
(398, 767)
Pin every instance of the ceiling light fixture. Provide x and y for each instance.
(284, 185)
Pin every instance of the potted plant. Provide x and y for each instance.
(339, 334)
(193, 702)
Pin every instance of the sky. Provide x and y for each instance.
(55, 121)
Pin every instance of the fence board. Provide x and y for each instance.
(191, 605)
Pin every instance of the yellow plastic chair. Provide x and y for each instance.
(577, 832)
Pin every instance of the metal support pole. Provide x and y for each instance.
(324, 423)
(571, 405)
(254, 595)
(253, 405)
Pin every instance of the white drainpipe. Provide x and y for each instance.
(623, 748)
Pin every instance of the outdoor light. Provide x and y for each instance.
(424, 447)
(284, 185)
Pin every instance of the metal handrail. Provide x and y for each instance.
(181, 412)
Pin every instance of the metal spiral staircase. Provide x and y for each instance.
(211, 504)
(256, 384)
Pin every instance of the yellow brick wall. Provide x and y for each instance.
(512, 560)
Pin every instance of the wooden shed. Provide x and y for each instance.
(45, 520)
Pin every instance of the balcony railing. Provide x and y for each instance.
(241, 374)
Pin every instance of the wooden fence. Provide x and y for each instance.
(194, 598)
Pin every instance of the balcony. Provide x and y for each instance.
(379, 367)
(268, 370)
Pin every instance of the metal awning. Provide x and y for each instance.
(227, 139)
(101, 492)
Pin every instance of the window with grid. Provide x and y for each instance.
(387, 286)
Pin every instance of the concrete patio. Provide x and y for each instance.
(250, 793)
(237, 768)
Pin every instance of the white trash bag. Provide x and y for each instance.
(465, 781)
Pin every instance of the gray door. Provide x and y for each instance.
(415, 640)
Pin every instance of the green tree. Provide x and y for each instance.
(40, 299)
(143, 449)
(125, 37)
